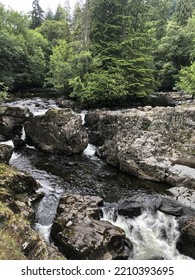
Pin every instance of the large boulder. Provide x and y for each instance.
(12, 120)
(149, 143)
(80, 234)
(58, 131)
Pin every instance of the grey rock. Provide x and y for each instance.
(147, 142)
(12, 120)
(58, 131)
(80, 234)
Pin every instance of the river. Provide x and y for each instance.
(87, 174)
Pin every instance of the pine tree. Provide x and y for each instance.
(184, 10)
(37, 14)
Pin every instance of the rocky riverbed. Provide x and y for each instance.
(153, 144)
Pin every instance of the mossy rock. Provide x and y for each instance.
(9, 247)
(5, 213)
(17, 182)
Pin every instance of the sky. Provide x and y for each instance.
(26, 5)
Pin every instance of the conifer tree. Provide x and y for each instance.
(37, 14)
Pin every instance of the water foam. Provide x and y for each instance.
(153, 235)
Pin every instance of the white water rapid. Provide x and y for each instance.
(153, 235)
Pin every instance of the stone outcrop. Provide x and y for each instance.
(80, 234)
(18, 195)
(147, 142)
(58, 131)
(18, 191)
(168, 98)
(12, 120)
(5, 153)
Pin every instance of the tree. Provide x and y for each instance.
(49, 15)
(117, 39)
(186, 81)
(184, 10)
(172, 53)
(22, 52)
(54, 31)
(37, 14)
(81, 23)
(66, 65)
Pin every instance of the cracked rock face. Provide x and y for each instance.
(150, 143)
(58, 131)
(80, 234)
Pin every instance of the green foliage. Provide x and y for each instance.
(66, 65)
(22, 53)
(118, 40)
(100, 89)
(106, 51)
(172, 53)
(3, 92)
(186, 81)
(184, 10)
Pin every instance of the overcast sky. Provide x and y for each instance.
(26, 5)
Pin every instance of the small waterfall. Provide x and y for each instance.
(82, 114)
(50, 186)
(90, 151)
(153, 235)
(23, 135)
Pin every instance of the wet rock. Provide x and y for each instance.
(5, 153)
(18, 142)
(129, 208)
(80, 234)
(12, 120)
(135, 205)
(170, 209)
(58, 131)
(147, 142)
(186, 242)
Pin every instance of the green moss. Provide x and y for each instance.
(5, 213)
(9, 247)
(6, 170)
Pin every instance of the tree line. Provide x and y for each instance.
(104, 52)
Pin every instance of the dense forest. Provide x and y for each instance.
(103, 52)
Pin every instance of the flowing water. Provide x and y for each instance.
(87, 174)
(153, 235)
